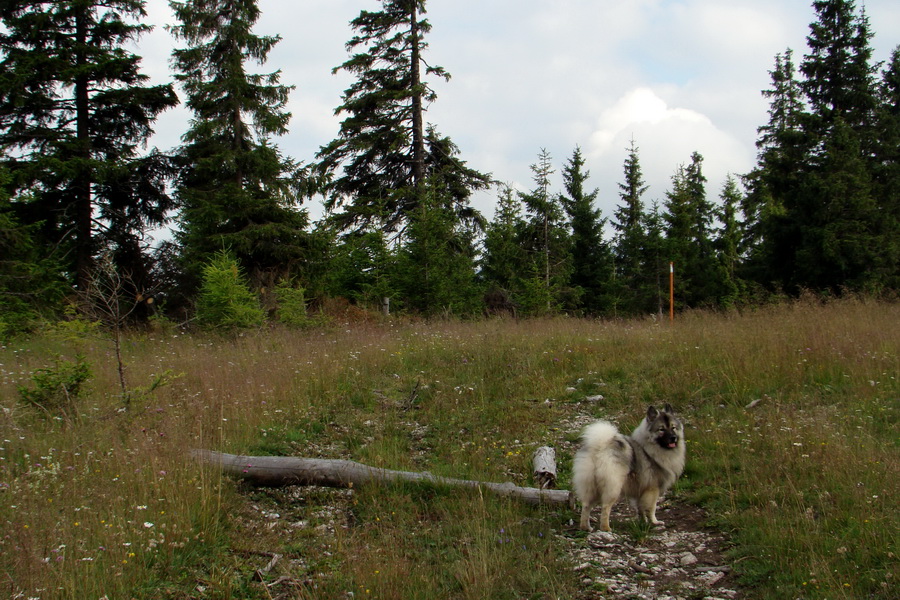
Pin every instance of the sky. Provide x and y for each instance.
(675, 76)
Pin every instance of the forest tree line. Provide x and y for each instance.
(79, 191)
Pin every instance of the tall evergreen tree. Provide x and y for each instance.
(437, 262)
(238, 191)
(655, 257)
(544, 238)
(632, 274)
(812, 204)
(770, 237)
(689, 217)
(887, 170)
(835, 211)
(376, 168)
(361, 267)
(591, 266)
(678, 233)
(446, 169)
(29, 276)
(839, 246)
(728, 242)
(501, 263)
(839, 77)
(75, 110)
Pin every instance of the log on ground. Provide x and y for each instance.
(279, 471)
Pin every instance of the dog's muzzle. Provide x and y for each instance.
(668, 440)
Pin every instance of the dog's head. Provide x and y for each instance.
(665, 427)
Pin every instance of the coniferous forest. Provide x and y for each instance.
(80, 190)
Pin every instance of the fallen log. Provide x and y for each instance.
(279, 471)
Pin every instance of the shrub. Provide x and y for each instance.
(292, 305)
(226, 300)
(57, 389)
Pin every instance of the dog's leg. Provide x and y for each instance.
(647, 506)
(586, 516)
(604, 517)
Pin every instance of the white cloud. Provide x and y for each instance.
(666, 136)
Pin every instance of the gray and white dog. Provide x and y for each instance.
(643, 465)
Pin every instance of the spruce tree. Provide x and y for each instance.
(729, 240)
(376, 168)
(839, 246)
(834, 210)
(812, 207)
(591, 268)
(457, 179)
(770, 237)
(632, 273)
(437, 263)
(501, 263)
(679, 244)
(361, 267)
(655, 257)
(839, 77)
(544, 239)
(238, 191)
(689, 217)
(887, 171)
(29, 276)
(75, 112)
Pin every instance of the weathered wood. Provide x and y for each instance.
(544, 462)
(279, 471)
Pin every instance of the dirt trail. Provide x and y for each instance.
(681, 561)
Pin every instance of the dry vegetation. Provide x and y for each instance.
(104, 502)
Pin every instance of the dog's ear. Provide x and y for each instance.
(652, 413)
(668, 408)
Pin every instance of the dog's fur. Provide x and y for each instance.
(643, 465)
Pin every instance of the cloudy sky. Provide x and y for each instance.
(674, 75)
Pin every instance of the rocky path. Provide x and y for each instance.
(682, 561)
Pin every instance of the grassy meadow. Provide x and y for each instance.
(99, 500)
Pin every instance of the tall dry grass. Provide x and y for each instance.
(109, 505)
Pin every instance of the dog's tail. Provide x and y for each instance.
(602, 463)
(599, 435)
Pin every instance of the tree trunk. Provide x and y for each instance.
(278, 471)
(418, 132)
(83, 206)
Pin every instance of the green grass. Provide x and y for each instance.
(108, 504)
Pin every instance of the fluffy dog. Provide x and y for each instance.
(643, 465)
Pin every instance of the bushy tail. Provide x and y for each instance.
(598, 435)
(601, 464)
